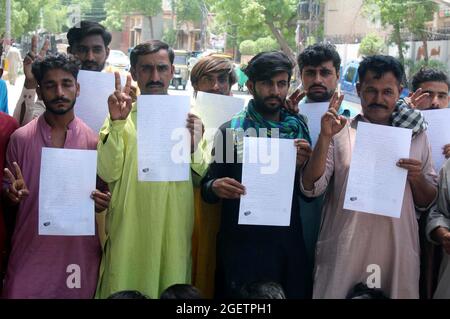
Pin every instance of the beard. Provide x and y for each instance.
(320, 96)
(57, 111)
(263, 107)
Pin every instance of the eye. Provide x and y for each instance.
(162, 68)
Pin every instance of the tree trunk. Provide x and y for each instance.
(281, 41)
(399, 42)
(151, 27)
(425, 48)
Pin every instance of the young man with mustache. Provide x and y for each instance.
(38, 265)
(248, 253)
(88, 42)
(215, 75)
(148, 247)
(349, 241)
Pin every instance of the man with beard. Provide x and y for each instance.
(248, 253)
(319, 66)
(349, 241)
(88, 42)
(150, 223)
(211, 74)
(39, 266)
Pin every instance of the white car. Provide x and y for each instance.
(118, 61)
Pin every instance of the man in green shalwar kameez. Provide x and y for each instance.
(149, 224)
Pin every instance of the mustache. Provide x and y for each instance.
(60, 100)
(377, 106)
(153, 83)
(272, 98)
(317, 86)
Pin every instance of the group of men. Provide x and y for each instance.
(164, 233)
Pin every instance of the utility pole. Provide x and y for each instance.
(203, 26)
(8, 23)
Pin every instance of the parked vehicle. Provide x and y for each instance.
(181, 75)
(117, 61)
(349, 78)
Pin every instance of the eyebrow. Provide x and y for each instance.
(438, 92)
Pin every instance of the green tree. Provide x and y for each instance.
(245, 19)
(117, 8)
(371, 44)
(247, 47)
(266, 44)
(401, 15)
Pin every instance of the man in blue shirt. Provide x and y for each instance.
(3, 97)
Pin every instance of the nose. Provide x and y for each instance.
(435, 101)
(318, 78)
(59, 91)
(154, 75)
(90, 55)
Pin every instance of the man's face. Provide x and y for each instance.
(270, 95)
(153, 72)
(216, 83)
(379, 96)
(58, 90)
(320, 81)
(92, 52)
(438, 96)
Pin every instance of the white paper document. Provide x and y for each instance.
(268, 173)
(314, 113)
(375, 184)
(164, 142)
(92, 104)
(67, 179)
(216, 109)
(438, 132)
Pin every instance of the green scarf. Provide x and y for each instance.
(290, 126)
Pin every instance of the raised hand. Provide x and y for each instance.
(332, 123)
(196, 129)
(415, 100)
(33, 55)
(17, 189)
(228, 188)
(414, 168)
(291, 104)
(120, 103)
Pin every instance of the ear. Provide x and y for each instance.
(358, 89)
(78, 89)
(39, 92)
(69, 50)
(250, 86)
(172, 71)
(107, 52)
(133, 73)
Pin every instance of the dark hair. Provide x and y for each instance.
(60, 61)
(426, 74)
(362, 291)
(181, 291)
(76, 34)
(262, 290)
(380, 65)
(317, 54)
(265, 65)
(128, 294)
(213, 64)
(150, 47)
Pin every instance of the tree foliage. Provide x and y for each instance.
(371, 44)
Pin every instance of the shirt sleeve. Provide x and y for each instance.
(320, 186)
(428, 172)
(27, 107)
(111, 148)
(439, 215)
